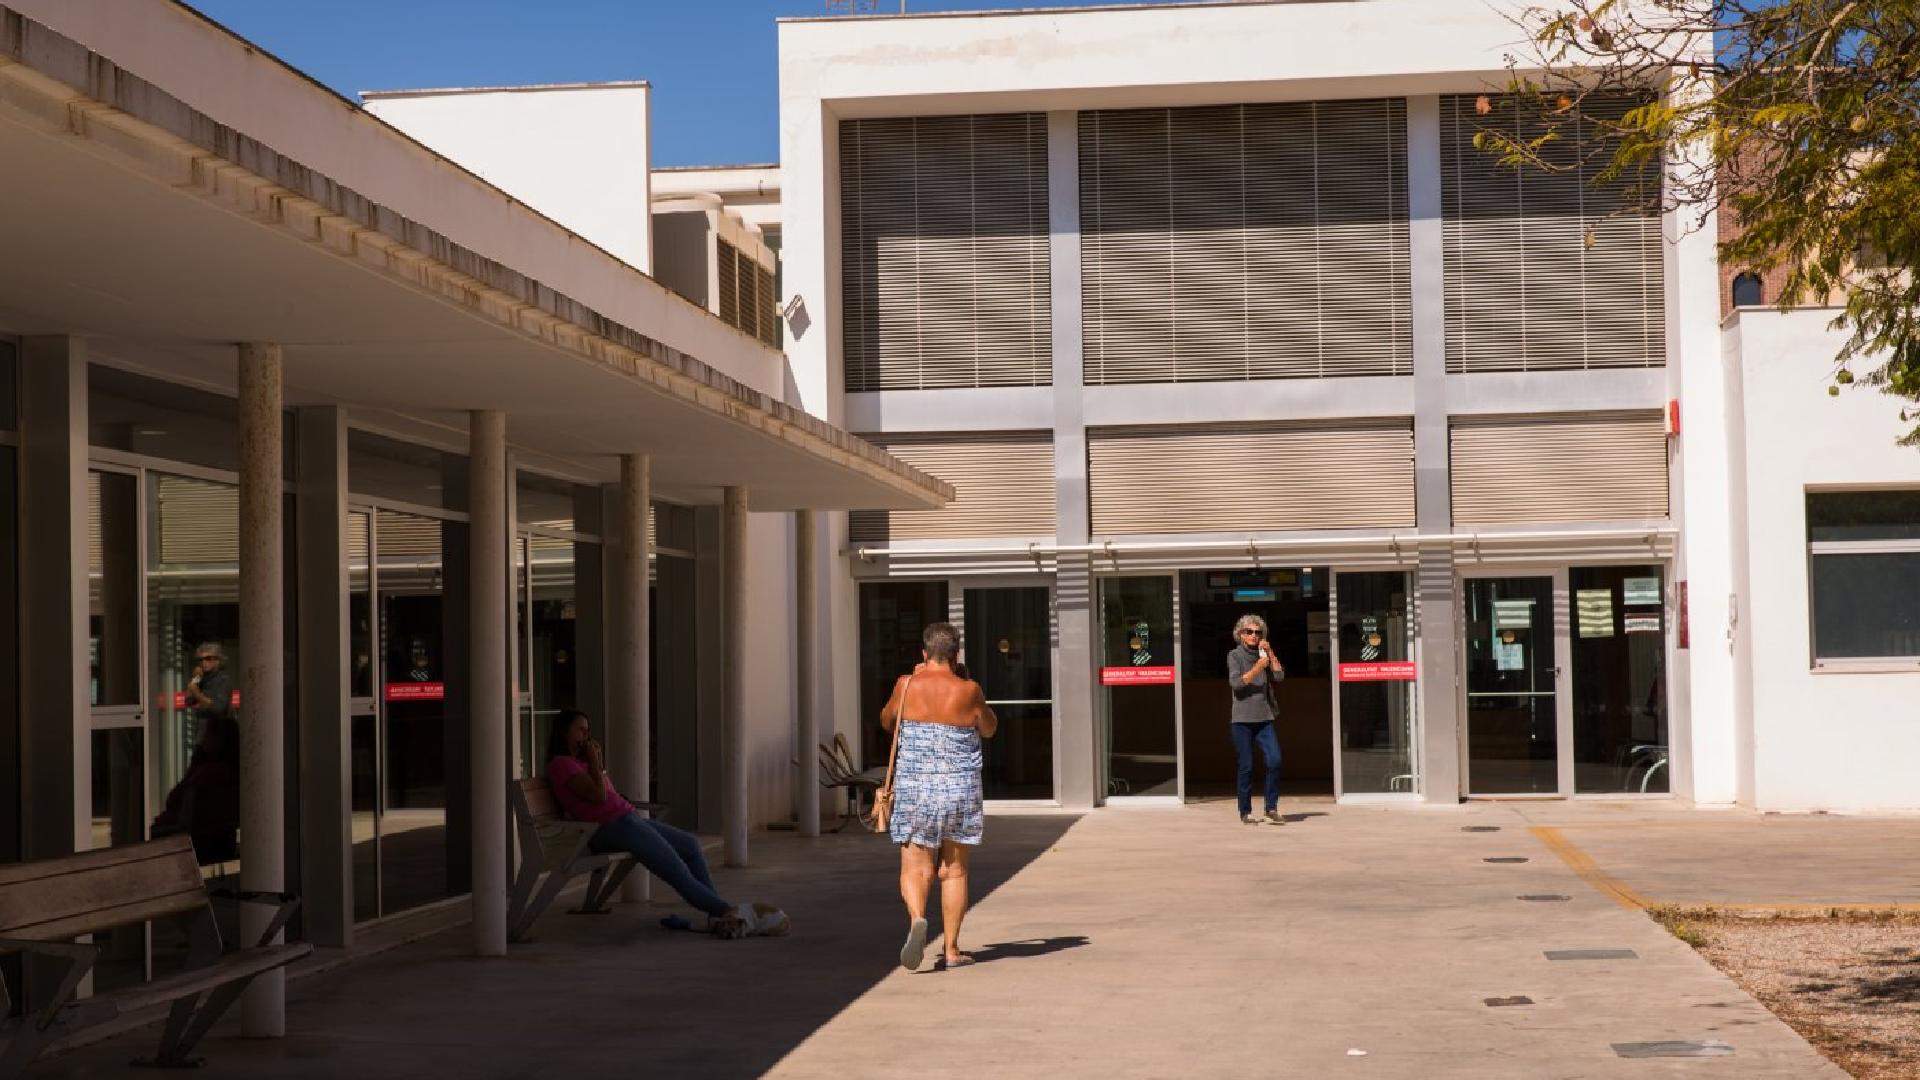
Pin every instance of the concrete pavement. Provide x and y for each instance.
(1129, 943)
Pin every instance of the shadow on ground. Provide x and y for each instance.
(617, 992)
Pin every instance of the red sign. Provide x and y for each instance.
(1379, 671)
(1682, 643)
(180, 699)
(416, 691)
(1136, 676)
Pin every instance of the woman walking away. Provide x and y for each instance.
(938, 717)
(578, 775)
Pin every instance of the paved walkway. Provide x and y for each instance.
(1169, 942)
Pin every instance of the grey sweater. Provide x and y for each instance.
(1249, 698)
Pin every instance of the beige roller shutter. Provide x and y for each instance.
(1003, 487)
(1245, 242)
(946, 270)
(198, 522)
(1512, 470)
(1545, 270)
(1252, 478)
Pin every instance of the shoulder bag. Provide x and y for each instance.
(882, 815)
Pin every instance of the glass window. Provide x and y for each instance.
(1749, 290)
(9, 659)
(1377, 682)
(390, 469)
(1864, 574)
(113, 588)
(164, 420)
(543, 502)
(193, 606)
(119, 816)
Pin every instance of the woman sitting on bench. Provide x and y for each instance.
(578, 774)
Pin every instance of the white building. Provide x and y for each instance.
(1205, 308)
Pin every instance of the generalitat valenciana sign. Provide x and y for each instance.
(1379, 671)
(1136, 676)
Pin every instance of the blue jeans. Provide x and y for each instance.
(1244, 736)
(672, 855)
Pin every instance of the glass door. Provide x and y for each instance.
(1512, 629)
(1009, 651)
(1139, 704)
(1619, 655)
(117, 742)
(1373, 643)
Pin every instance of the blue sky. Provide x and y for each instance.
(711, 62)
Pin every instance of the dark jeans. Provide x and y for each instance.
(1244, 736)
(672, 855)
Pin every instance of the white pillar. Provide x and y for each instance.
(262, 681)
(733, 721)
(488, 560)
(807, 681)
(628, 721)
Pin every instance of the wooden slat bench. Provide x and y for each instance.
(47, 903)
(551, 844)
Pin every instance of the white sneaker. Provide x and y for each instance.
(765, 920)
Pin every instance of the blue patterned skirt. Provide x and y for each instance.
(936, 786)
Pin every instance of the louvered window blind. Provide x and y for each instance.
(1335, 474)
(1512, 470)
(728, 267)
(1245, 242)
(1545, 271)
(1003, 487)
(768, 329)
(945, 264)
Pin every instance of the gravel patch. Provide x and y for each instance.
(1849, 983)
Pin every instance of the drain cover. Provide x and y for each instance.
(1592, 954)
(1479, 828)
(1544, 898)
(1506, 859)
(1517, 999)
(1673, 1048)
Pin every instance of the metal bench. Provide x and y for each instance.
(551, 844)
(47, 903)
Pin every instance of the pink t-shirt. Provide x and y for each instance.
(612, 808)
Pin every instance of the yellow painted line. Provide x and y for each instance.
(1589, 871)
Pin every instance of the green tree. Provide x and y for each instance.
(1802, 117)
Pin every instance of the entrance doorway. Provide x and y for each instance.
(1566, 681)
(1295, 604)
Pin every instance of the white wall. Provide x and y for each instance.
(578, 154)
(1821, 740)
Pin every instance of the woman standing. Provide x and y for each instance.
(1251, 670)
(938, 717)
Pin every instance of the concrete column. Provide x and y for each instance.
(629, 721)
(262, 678)
(488, 619)
(53, 597)
(710, 664)
(806, 569)
(1437, 596)
(733, 723)
(1079, 771)
(326, 760)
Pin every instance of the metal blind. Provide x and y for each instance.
(728, 270)
(769, 328)
(198, 523)
(1510, 470)
(1003, 487)
(1245, 242)
(1545, 272)
(1335, 474)
(945, 264)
